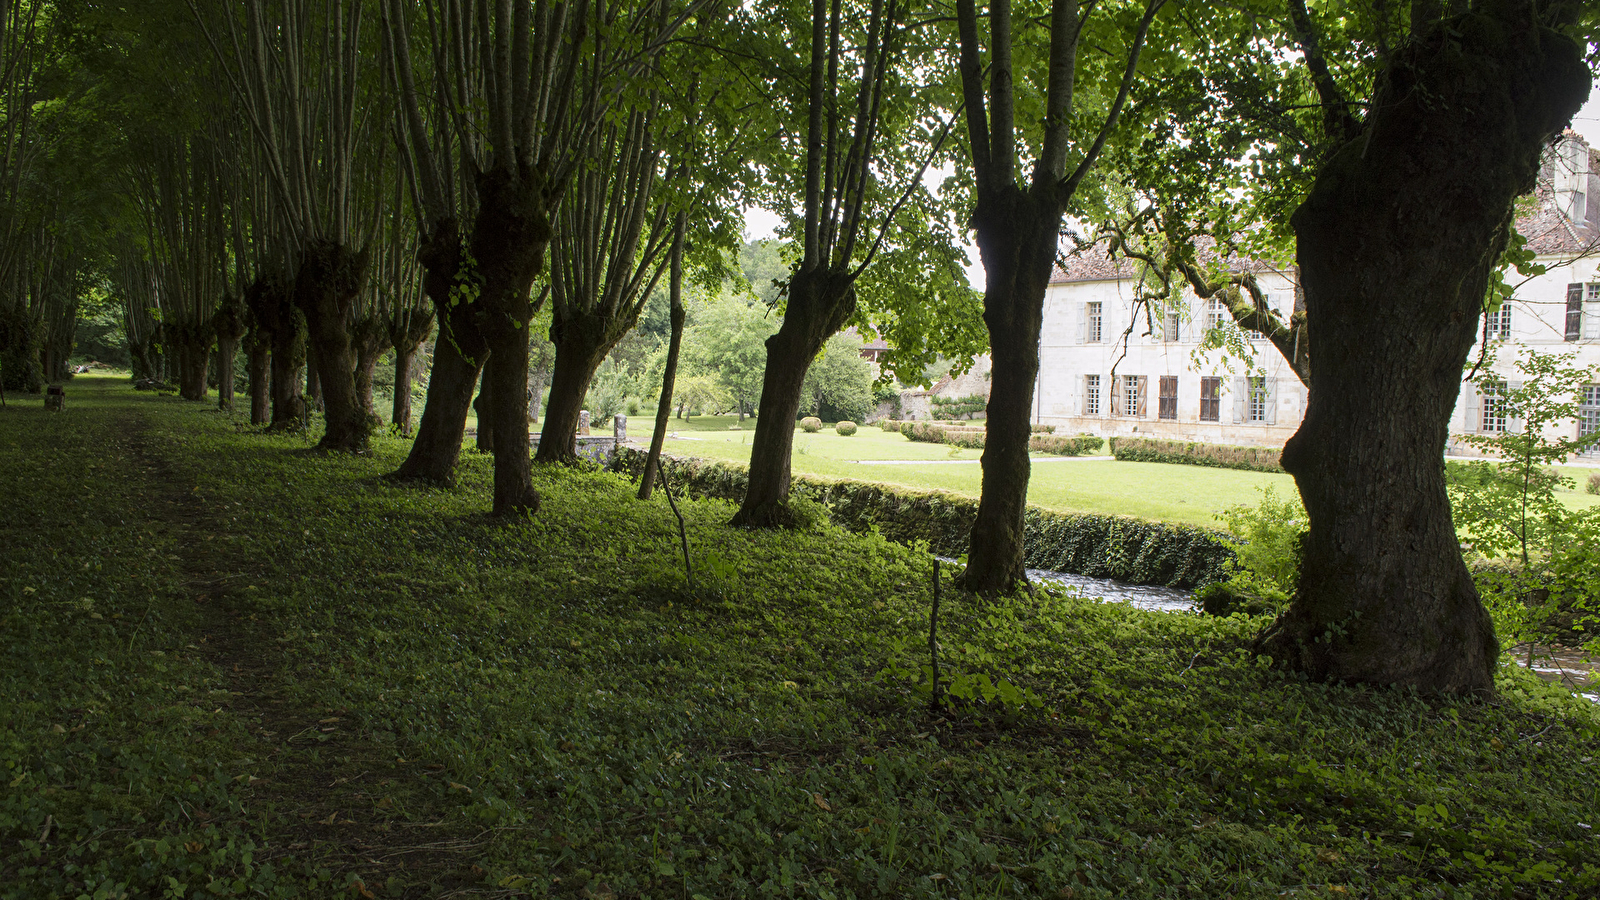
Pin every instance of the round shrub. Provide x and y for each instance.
(845, 428)
(811, 424)
(1593, 486)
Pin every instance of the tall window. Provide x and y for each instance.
(1591, 313)
(1574, 311)
(1094, 319)
(1171, 327)
(1499, 323)
(1494, 408)
(1589, 415)
(1169, 397)
(1211, 399)
(1131, 401)
(1091, 395)
(1258, 399)
(1216, 313)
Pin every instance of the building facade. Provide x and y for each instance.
(1103, 372)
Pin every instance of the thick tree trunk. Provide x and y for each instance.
(509, 238)
(227, 348)
(579, 354)
(459, 354)
(288, 367)
(313, 388)
(371, 341)
(325, 289)
(260, 352)
(1397, 241)
(820, 301)
(405, 361)
(1017, 239)
(194, 358)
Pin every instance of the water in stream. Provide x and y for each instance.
(1144, 596)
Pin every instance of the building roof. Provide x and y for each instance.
(1549, 232)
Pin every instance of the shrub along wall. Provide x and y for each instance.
(1254, 459)
(1061, 445)
(1127, 549)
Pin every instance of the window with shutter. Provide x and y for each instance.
(1143, 385)
(1492, 415)
(1131, 402)
(1210, 399)
(1257, 409)
(1094, 316)
(1574, 311)
(1169, 397)
(1114, 407)
(1091, 395)
(1499, 323)
(1589, 417)
(1591, 313)
(1171, 327)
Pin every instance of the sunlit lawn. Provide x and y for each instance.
(1192, 494)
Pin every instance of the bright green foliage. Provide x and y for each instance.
(958, 407)
(845, 428)
(1250, 459)
(589, 725)
(839, 384)
(1513, 507)
(1061, 445)
(1266, 564)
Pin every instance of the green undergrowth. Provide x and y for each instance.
(613, 732)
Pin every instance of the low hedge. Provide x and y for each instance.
(1221, 456)
(1127, 549)
(1061, 445)
(889, 424)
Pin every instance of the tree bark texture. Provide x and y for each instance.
(193, 344)
(509, 238)
(313, 389)
(1017, 234)
(229, 324)
(820, 301)
(370, 336)
(459, 354)
(405, 363)
(326, 287)
(1396, 243)
(259, 349)
(581, 347)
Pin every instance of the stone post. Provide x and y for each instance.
(619, 428)
(583, 422)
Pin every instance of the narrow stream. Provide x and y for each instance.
(1144, 596)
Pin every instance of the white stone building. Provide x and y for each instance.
(1100, 376)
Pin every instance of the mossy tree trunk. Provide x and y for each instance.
(331, 276)
(1397, 241)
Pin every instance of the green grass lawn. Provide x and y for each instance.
(235, 667)
(1169, 493)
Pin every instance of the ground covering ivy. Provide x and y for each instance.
(554, 684)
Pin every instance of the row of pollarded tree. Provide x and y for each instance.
(571, 153)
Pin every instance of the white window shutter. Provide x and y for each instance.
(1514, 424)
(1144, 396)
(1272, 401)
(1241, 400)
(1474, 405)
(1083, 321)
(1116, 396)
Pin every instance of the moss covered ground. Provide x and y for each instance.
(234, 667)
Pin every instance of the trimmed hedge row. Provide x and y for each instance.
(1221, 456)
(1127, 549)
(1062, 445)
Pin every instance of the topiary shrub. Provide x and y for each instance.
(845, 428)
(889, 424)
(811, 424)
(926, 432)
(1593, 486)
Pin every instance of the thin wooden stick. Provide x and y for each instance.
(683, 534)
(936, 697)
